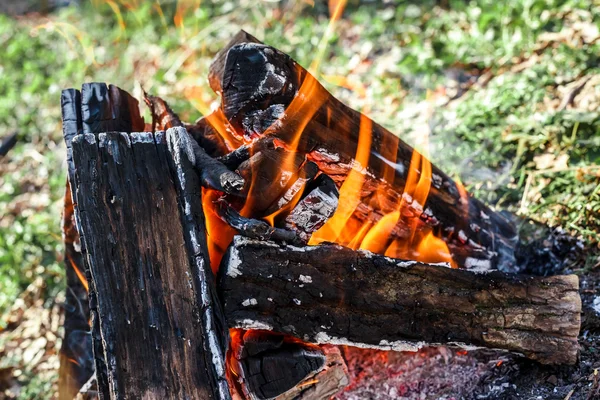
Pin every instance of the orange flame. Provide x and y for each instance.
(79, 274)
(344, 228)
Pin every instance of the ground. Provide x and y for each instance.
(506, 95)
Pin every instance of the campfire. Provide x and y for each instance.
(285, 246)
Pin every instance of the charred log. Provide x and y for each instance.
(270, 365)
(130, 188)
(329, 294)
(213, 173)
(260, 83)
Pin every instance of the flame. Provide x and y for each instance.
(219, 234)
(79, 274)
(336, 229)
(420, 243)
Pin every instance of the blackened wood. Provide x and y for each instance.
(325, 383)
(109, 109)
(315, 208)
(214, 174)
(331, 294)
(100, 108)
(254, 228)
(161, 326)
(7, 143)
(269, 365)
(260, 82)
(163, 117)
(215, 72)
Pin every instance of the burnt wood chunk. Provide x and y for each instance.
(270, 365)
(260, 83)
(215, 73)
(324, 383)
(329, 294)
(139, 207)
(213, 173)
(254, 228)
(313, 211)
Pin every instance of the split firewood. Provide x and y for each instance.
(329, 294)
(125, 207)
(266, 93)
(96, 108)
(322, 384)
(268, 364)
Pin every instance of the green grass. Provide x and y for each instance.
(400, 53)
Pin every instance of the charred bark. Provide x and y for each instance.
(265, 92)
(162, 329)
(329, 294)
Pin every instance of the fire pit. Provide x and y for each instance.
(286, 246)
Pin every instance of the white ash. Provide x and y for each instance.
(251, 324)
(233, 266)
(477, 264)
(249, 302)
(305, 279)
(90, 138)
(142, 137)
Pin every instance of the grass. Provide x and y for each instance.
(508, 140)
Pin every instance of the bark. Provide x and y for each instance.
(265, 92)
(329, 294)
(139, 206)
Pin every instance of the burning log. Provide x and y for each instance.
(266, 93)
(329, 294)
(163, 333)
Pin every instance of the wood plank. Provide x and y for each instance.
(161, 326)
